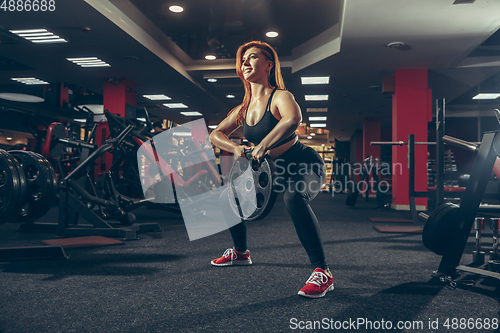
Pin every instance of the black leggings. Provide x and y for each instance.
(301, 172)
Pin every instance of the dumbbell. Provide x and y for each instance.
(494, 262)
(477, 254)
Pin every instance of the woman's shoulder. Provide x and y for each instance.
(283, 94)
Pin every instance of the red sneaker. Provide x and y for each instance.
(318, 284)
(232, 257)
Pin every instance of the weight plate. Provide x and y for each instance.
(442, 228)
(12, 186)
(53, 176)
(39, 194)
(252, 184)
(56, 148)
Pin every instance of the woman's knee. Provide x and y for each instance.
(294, 196)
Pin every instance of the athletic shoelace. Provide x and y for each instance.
(317, 278)
(230, 252)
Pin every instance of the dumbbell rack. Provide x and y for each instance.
(470, 206)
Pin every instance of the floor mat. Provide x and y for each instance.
(77, 242)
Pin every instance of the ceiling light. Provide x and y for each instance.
(272, 34)
(191, 113)
(313, 134)
(212, 80)
(212, 126)
(29, 80)
(17, 32)
(21, 98)
(317, 118)
(317, 125)
(176, 9)
(210, 57)
(39, 36)
(175, 105)
(8, 138)
(400, 46)
(316, 109)
(316, 97)
(315, 80)
(230, 96)
(89, 62)
(156, 97)
(487, 96)
(309, 137)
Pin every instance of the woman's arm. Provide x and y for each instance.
(219, 136)
(291, 118)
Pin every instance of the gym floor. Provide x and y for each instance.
(165, 283)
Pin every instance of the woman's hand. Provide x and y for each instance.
(239, 151)
(258, 152)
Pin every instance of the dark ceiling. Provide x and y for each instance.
(163, 52)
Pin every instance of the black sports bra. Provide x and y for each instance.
(256, 133)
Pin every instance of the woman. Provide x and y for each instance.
(269, 116)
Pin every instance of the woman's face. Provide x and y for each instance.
(254, 65)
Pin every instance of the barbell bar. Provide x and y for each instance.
(473, 146)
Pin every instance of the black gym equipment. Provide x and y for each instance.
(369, 168)
(448, 227)
(27, 183)
(252, 183)
(41, 186)
(12, 187)
(78, 197)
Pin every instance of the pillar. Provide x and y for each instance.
(411, 110)
(117, 94)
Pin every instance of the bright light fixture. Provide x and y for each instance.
(272, 34)
(29, 80)
(487, 96)
(8, 138)
(322, 145)
(309, 137)
(21, 98)
(39, 36)
(315, 80)
(313, 134)
(156, 97)
(175, 105)
(318, 125)
(212, 80)
(191, 113)
(317, 118)
(210, 57)
(141, 119)
(230, 96)
(89, 62)
(316, 97)
(212, 126)
(176, 9)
